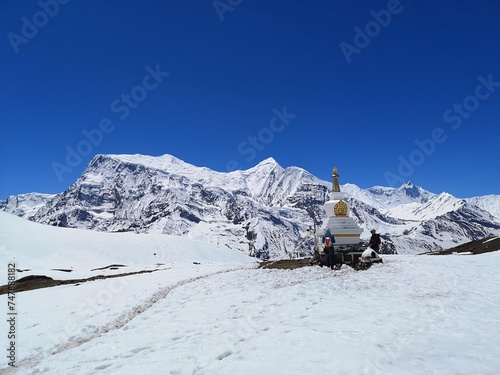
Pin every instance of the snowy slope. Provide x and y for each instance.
(440, 316)
(490, 203)
(437, 206)
(381, 197)
(47, 249)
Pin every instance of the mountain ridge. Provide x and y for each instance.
(263, 211)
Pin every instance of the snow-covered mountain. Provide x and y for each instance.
(381, 197)
(444, 221)
(263, 211)
(490, 203)
(25, 205)
(441, 222)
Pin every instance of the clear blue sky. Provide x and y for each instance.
(387, 91)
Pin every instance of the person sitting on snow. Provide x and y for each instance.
(328, 241)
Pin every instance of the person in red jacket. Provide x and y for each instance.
(328, 241)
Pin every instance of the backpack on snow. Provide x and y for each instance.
(329, 240)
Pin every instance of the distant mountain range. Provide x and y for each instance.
(264, 211)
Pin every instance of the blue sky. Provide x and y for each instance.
(387, 91)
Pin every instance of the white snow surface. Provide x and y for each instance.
(490, 203)
(409, 315)
(40, 249)
(369, 252)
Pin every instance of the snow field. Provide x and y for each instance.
(59, 318)
(39, 249)
(410, 315)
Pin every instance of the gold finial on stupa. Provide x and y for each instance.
(335, 186)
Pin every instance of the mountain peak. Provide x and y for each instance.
(164, 162)
(411, 190)
(146, 159)
(267, 165)
(268, 161)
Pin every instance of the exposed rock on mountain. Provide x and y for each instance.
(264, 211)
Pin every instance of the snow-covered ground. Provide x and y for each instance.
(410, 315)
(42, 249)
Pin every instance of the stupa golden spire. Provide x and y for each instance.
(335, 185)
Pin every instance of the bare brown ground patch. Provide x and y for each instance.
(286, 264)
(33, 282)
(485, 245)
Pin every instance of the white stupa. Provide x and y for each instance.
(341, 225)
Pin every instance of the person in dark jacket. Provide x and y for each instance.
(328, 241)
(374, 240)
